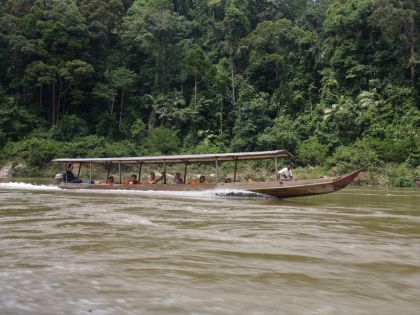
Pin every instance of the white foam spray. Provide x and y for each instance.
(211, 193)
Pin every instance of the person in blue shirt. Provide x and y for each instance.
(177, 179)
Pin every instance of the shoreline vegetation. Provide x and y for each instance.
(334, 82)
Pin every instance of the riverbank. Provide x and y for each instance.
(391, 175)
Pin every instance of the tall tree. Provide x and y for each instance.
(122, 80)
(195, 65)
(72, 76)
(151, 31)
(399, 21)
(281, 61)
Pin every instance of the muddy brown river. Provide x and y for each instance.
(356, 251)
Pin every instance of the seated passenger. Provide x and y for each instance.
(153, 179)
(133, 180)
(202, 179)
(110, 180)
(70, 178)
(177, 179)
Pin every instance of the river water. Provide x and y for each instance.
(356, 251)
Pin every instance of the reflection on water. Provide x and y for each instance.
(64, 252)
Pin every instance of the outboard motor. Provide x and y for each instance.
(59, 178)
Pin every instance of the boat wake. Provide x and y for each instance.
(27, 186)
(239, 193)
(211, 193)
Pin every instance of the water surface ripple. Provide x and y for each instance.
(352, 252)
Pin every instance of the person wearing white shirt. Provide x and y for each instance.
(286, 172)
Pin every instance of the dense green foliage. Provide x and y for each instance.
(334, 81)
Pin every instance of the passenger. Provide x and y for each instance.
(202, 179)
(153, 179)
(177, 179)
(70, 178)
(110, 180)
(286, 172)
(133, 180)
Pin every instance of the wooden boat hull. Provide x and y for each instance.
(308, 187)
(286, 189)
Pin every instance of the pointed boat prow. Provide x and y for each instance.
(308, 187)
(344, 180)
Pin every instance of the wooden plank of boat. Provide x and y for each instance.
(285, 189)
(307, 187)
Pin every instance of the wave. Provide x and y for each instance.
(211, 193)
(27, 186)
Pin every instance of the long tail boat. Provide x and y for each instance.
(276, 188)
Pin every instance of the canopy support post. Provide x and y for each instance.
(275, 167)
(108, 167)
(140, 167)
(90, 173)
(164, 172)
(65, 171)
(119, 170)
(185, 172)
(217, 171)
(78, 172)
(235, 169)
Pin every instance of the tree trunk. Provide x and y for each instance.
(233, 88)
(40, 98)
(156, 71)
(151, 121)
(121, 108)
(195, 91)
(61, 94)
(412, 48)
(163, 60)
(221, 118)
(53, 104)
(112, 104)
(64, 106)
(413, 66)
(57, 110)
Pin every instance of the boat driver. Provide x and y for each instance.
(70, 178)
(286, 172)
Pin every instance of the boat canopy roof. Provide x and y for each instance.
(203, 158)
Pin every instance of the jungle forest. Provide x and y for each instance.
(335, 82)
